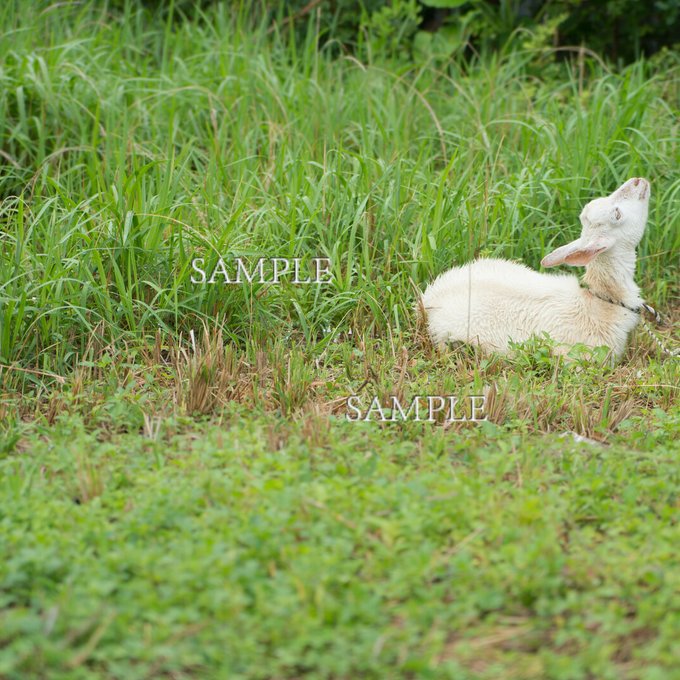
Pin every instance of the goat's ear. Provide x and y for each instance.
(578, 253)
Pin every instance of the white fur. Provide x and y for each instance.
(490, 302)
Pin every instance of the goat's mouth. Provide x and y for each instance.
(635, 187)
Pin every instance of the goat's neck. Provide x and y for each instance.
(611, 275)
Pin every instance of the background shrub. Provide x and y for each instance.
(619, 29)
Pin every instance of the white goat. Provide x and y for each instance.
(490, 302)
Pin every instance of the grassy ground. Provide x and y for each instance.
(181, 495)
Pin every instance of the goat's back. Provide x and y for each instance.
(490, 301)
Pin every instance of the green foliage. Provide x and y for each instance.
(392, 27)
(199, 508)
(619, 29)
(210, 553)
(140, 145)
(340, 21)
(445, 4)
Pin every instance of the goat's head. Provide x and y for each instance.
(615, 223)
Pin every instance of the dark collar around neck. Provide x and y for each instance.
(635, 310)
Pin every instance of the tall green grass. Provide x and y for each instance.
(130, 145)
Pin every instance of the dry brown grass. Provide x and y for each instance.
(202, 374)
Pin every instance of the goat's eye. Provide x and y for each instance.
(617, 214)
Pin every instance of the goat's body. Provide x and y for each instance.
(491, 302)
